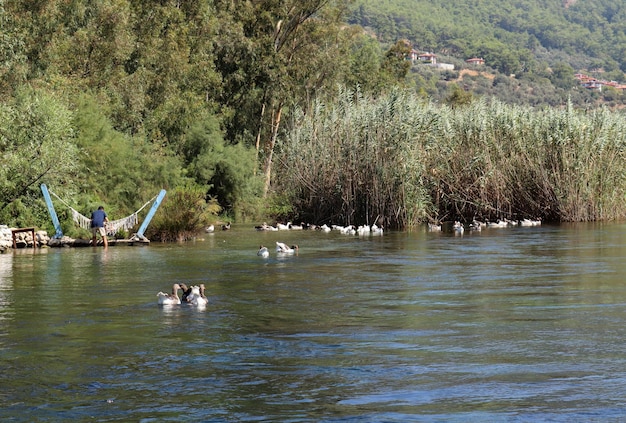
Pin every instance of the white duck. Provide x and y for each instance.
(169, 299)
(285, 249)
(377, 230)
(363, 230)
(529, 222)
(347, 230)
(497, 224)
(458, 227)
(263, 252)
(325, 228)
(476, 226)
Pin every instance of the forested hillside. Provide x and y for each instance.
(542, 43)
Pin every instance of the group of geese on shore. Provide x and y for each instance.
(476, 225)
(193, 295)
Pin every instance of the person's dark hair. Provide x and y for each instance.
(101, 208)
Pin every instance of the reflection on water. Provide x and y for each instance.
(523, 324)
(6, 286)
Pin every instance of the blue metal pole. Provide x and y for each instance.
(151, 213)
(53, 213)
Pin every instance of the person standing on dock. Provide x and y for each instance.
(98, 219)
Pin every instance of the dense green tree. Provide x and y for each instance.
(36, 146)
(459, 97)
(562, 76)
(225, 170)
(125, 170)
(172, 62)
(13, 60)
(396, 63)
(365, 61)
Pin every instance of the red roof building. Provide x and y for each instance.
(475, 61)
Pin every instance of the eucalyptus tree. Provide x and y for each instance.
(273, 55)
(172, 62)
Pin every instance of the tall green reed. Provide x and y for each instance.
(399, 161)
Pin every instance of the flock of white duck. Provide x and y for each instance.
(193, 295)
(347, 230)
(476, 225)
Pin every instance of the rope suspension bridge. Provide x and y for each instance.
(126, 223)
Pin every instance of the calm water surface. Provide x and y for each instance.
(521, 324)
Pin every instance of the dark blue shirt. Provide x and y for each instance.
(97, 219)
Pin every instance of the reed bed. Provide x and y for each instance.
(399, 161)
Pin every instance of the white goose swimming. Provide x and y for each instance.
(197, 296)
(169, 299)
(458, 227)
(263, 252)
(285, 249)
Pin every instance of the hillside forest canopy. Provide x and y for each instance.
(310, 111)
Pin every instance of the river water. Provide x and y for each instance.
(513, 325)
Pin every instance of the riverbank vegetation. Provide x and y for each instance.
(405, 160)
(249, 111)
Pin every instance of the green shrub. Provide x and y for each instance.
(182, 215)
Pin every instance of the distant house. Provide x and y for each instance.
(592, 83)
(427, 58)
(475, 61)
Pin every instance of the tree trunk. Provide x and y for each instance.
(270, 148)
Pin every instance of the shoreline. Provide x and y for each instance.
(24, 239)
